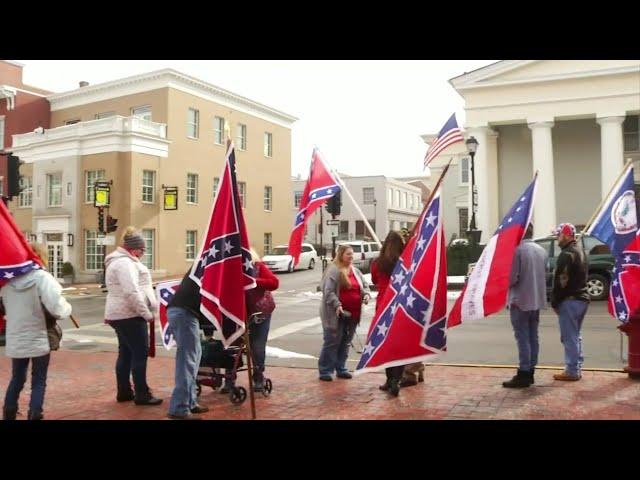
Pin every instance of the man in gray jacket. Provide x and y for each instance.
(527, 295)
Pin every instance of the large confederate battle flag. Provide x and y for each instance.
(165, 292)
(16, 256)
(487, 288)
(616, 224)
(320, 186)
(223, 270)
(410, 325)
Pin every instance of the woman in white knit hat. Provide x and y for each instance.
(130, 305)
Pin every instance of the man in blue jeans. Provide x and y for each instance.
(183, 313)
(570, 300)
(527, 295)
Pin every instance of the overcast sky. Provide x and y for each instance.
(365, 116)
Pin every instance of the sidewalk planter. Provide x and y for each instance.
(67, 273)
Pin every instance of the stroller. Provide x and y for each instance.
(215, 358)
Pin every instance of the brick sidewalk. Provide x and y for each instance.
(81, 386)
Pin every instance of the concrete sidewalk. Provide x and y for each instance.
(81, 386)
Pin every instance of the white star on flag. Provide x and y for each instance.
(421, 243)
(399, 278)
(615, 283)
(368, 349)
(410, 300)
(382, 329)
(8, 275)
(403, 289)
(247, 264)
(214, 251)
(227, 246)
(627, 258)
(522, 199)
(431, 219)
(518, 209)
(413, 267)
(329, 190)
(619, 299)
(510, 218)
(622, 316)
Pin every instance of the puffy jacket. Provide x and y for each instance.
(23, 299)
(130, 290)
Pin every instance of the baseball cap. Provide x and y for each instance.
(565, 228)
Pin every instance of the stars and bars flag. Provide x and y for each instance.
(16, 256)
(223, 268)
(449, 134)
(487, 288)
(410, 325)
(616, 224)
(165, 292)
(321, 185)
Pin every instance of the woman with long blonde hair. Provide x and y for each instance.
(344, 289)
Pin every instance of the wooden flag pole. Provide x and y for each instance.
(604, 199)
(433, 192)
(74, 321)
(247, 345)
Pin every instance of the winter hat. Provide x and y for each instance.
(565, 228)
(132, 240)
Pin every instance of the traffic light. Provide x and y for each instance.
(13, 176)
(333, 204)
(112, 224)
(101, 219)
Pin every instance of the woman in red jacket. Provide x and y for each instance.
(381, 270)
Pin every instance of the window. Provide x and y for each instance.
(267, 198)
(216, 184)
(148, 186)
(218, 128)
(631, 133)
(241, 137)
(1, 133)
(593, 246)
(297, 198)
(343, 230)
(362, 231)
(192, 188)
(463, 221)
(143, 112)
(268, 147)
(190, 246)
(404, 200)
(464, 171)
(267, 244)
(368, 195)
(147, 258)
(54, 190)
(242, 191)
(26, 195)
(72, 122)
(374, 246)
(93, 256)
(105, 115)
(193, 120)
(90, 178)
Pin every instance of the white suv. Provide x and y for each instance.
(279, 259)
(363, 253)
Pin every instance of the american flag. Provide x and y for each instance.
(616, 224)
(487, 288)
(223, 269)
(165, 292)
(320, 186)
(410, 325)
(448, 135)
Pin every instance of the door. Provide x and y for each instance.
(55, 249)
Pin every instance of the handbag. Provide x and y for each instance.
(260, 300)
(54, 332)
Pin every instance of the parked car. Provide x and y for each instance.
(279, 259)
(363, 253)
(599, 259)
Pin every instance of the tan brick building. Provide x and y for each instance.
(144, 132)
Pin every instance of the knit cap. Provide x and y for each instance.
(133, 241)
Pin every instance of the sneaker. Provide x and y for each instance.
(345, 375)
(147, 399)
(199, 409)
(258, 385)
(325, 378)
(564, 376)
(186, 416)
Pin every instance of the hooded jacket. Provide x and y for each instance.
(23, 299)
(129, 285)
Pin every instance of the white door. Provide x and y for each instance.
(54, 250)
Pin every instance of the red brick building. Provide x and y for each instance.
(23, 108)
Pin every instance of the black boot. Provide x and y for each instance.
(394, 387)
(531, 374)
(147, 399)
(258, 381)
(521, 380)
(35, 415)
(385, 386)
(125, 393)
(9, 413)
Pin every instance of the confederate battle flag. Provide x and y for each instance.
(16, 256)
(165, 292)
(223, 269)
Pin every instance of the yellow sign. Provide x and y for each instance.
(102, 197)
(171, 199)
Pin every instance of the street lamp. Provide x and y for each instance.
(375, 219)
(473, 233)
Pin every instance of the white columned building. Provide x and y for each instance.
(544, 214)
(611, 150)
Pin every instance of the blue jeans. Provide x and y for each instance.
(525, 328)
(133, 348)
(186, 331)
(258, 337)
(39, 369)
(335, 348)
(570, 316)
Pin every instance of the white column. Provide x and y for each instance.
(544, 212)
(486, 173)
(611, 150)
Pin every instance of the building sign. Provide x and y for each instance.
(170, 198)
(103, 195)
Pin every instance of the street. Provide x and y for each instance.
(296, 333)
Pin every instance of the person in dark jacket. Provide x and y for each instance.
(570, 300)
(183, 313)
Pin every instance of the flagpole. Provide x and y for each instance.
(358, 209)
(74, 321)
(433, 192)
(250, 372)
(604, 199)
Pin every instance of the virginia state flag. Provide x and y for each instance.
(320, 186)
(223, 270)
(487, 288)
(410, 325)
(16, 256)
(616, 224)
